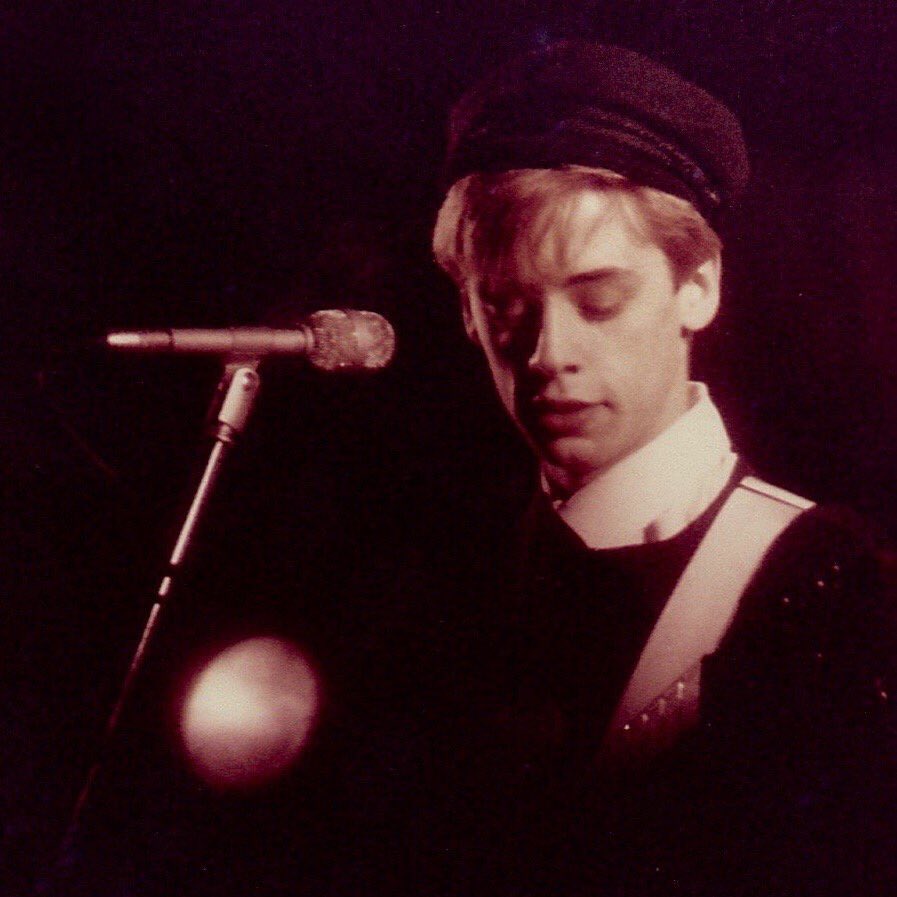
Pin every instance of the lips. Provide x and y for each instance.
(558, 406)
(560, 415)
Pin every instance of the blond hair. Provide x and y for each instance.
(486, 220)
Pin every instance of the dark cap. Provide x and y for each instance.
(579, 103)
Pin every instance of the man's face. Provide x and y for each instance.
(585, 334)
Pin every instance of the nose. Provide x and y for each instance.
(555, 350)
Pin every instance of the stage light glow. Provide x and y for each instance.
(248, 713)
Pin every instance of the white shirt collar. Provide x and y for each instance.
(658, 490)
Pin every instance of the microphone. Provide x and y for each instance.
(331, 340)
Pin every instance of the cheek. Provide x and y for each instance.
(502, 376)
(645, 355)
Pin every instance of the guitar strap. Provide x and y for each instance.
(662, 699)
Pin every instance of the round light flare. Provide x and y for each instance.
(247, 714)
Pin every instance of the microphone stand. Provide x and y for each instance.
(236, 392)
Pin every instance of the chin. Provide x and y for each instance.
(583, 457)
(575, 456)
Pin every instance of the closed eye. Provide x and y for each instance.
(513, 318)
(507, 308)
(602, 295)
(600, 303)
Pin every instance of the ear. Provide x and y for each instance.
(698, 296)
(469, 316)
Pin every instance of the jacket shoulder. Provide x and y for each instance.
(817, 625)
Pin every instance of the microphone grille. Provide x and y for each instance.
(345, 339)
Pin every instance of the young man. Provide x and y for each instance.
(701, 666)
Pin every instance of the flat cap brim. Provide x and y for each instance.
(579, 103)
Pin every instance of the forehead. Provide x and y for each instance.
(585, 230)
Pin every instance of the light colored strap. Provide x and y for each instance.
(664, 690)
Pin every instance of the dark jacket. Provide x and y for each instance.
(787, 785)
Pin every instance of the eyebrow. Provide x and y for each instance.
(600, 274)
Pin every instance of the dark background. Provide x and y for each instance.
(188, 164)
